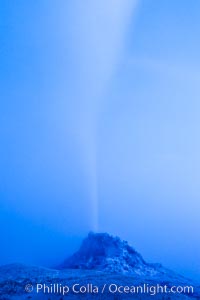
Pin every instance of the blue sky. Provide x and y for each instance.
(99, 128)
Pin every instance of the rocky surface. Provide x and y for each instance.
(106, 253)
(102, 265)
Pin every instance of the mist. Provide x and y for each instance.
(58, 68)
(99, 126)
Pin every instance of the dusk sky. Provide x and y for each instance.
(99, 128)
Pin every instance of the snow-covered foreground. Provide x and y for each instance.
(105, 267)
(18, 281)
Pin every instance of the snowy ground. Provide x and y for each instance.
(16, 277)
